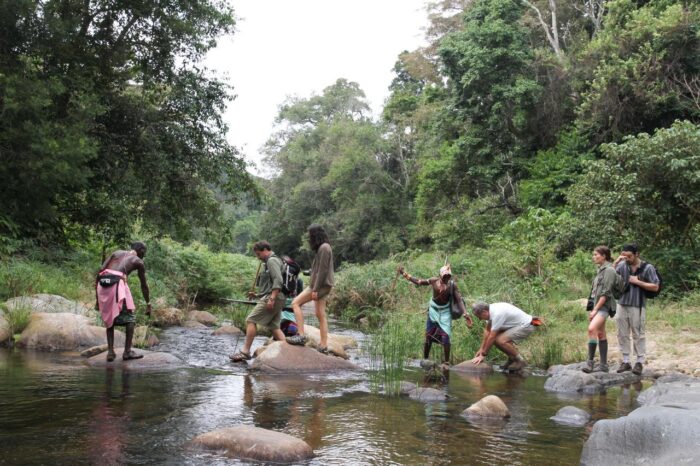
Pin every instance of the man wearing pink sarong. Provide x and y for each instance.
(113, 297)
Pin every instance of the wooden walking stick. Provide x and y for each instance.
(255, 281)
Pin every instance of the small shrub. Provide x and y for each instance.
(17, 318)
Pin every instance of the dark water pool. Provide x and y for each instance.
(55, 411)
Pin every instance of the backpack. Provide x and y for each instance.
(455, 312)
(650, 294)
(290, 275)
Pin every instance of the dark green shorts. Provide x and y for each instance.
(125, 317)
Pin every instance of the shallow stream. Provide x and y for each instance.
(54, 410)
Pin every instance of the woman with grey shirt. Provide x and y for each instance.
(600, 303)
(318, 289)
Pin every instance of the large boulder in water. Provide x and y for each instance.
(203, 317)
(572, 416)
(665, 430)
(151, 360)
(280, 357)
(167, 317)
(254, 443)
(49, 303)
(63, 331)
(490, 406)
(469, 367)
(570, 379)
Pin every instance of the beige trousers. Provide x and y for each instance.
(631, 321)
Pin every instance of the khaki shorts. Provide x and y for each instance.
(322, 292)
(517, 334)
(269, 319)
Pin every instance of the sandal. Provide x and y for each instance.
(111, 355)
(131, 355)
(322, 349)
(296, 340)
(241, 356)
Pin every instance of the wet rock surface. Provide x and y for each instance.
(471, 368)
(281, 357)
(572, 416)
(92, 351)
(665, 430)
(151, 360)
(571, 379)
(337, 344)
(255, 443)
(63, 331)
(490, 406)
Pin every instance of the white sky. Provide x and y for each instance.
(299, 47)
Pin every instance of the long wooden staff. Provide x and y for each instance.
(257, 275)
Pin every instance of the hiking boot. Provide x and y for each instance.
(506, 365)
(624, 367)
(637, 370)
(296, 340)
(589, 367)
(517, 365)
(602, 368)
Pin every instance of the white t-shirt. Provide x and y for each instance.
(504, 316)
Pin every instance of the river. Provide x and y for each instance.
(55, 411)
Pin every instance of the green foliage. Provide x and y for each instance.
(108, 118)
(196, 273)
(645, 189)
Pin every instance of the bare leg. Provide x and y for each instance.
(506, 345)
(110, 344)
(426, 347)
(300, 300)
(446, 349)
(129, 336)
(251, 330)
(278, 335)
(322, 321)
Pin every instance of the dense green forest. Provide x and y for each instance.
(543, 127)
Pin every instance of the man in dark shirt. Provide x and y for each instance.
(631, 307)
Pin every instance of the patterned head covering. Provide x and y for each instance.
(445, 270)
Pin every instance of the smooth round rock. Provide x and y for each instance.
(572, 416)
(48, 303)
(92, 351)
(280, 357)
(490, 406)
(255, 443)
(470, 368)
(203, 317)
(5, 333)
(227, 330)
(167, 317)
(63, 331)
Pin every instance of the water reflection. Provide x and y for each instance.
(107, 437)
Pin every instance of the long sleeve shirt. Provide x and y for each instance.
(322, 268)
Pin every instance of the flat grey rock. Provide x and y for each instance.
(427, 394)
(664, 431)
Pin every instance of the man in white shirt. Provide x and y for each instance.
(506, 326)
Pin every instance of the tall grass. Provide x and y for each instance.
(392, 345)
(17, 319)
